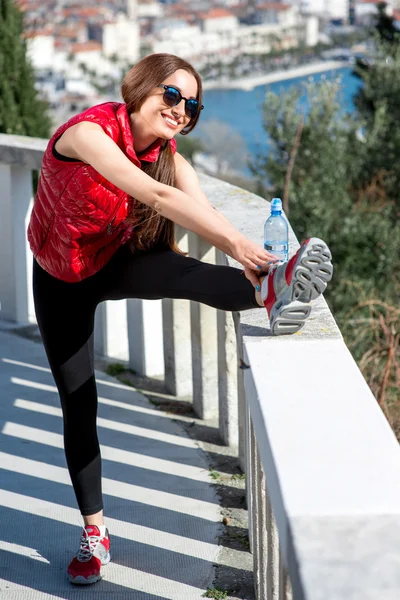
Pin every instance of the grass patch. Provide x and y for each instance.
(115, 369)
(214, 474)
(239, 476)
(215, 593)
(242, 537)
(154, 402)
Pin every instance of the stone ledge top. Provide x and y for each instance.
(350, 558)
(22, 151)
(248, 212)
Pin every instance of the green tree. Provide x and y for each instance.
(21, 111)
(378, 108)
(379, 113)
(188, 146)
(322, 165)
(385, 25)
(321, 162)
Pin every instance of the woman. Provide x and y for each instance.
(110, 189)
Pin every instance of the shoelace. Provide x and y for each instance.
(88, 545)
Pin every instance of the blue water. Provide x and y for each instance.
(242, 110)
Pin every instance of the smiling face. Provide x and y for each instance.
(157, 120)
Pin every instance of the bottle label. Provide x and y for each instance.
(276, 247)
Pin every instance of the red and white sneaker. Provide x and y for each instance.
(288, 287)
(94, 551)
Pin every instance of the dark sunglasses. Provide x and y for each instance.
(172, 97)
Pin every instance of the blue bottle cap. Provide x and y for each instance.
(276, 205)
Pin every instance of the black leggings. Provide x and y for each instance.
(65, 315)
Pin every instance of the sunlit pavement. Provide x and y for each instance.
(161, 510)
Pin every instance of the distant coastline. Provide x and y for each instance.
(250, 83)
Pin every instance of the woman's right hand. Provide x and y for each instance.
(251, 255)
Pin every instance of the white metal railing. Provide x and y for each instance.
(322, 465)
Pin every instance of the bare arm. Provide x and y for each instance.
(88, 142)
(187, 181)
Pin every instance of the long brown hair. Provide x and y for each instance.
(150, 229)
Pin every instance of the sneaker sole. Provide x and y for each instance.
(83, 581)
(80, 580)
(311, 274)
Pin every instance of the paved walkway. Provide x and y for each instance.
(162, 512)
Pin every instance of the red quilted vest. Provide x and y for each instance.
(78, 218)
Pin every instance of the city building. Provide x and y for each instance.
(121, 38)
(324, 9)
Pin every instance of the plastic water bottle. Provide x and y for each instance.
(276, 232)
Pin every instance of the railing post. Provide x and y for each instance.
(259, 534)
(270, 575)
(204, 342)
(177, 337)
(242, 403)
(131, 331)
(110, 333)
(15, 264)
(271, 561)
(227, 373)
(145, 337)
(250, 474)
(227, 380)
(285, 588)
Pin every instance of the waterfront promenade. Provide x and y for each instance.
(249, 83)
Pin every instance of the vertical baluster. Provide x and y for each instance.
(263, 548)
(204, 343)
(227, 380)
(177, 337)
(242, 367)
(255, 508)
(110, 333)
(285, 589)
(177, 347)
(145, 336)
(273, 567)
(288, 587)
(227, 373)
(260, 525)
(15, 280)
(250, 474)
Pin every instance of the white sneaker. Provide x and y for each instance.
(288, 288)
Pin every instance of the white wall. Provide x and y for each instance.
(190, 41)
(333, 9)
(289, 17)
(312, 30)
(81, 87)
(123, 39)
(220, 24)
(41, 51)
(150, 10)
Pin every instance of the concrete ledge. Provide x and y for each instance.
(22, 151)
(332, 462)
(349, 558)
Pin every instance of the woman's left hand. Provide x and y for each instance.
(253, 276)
